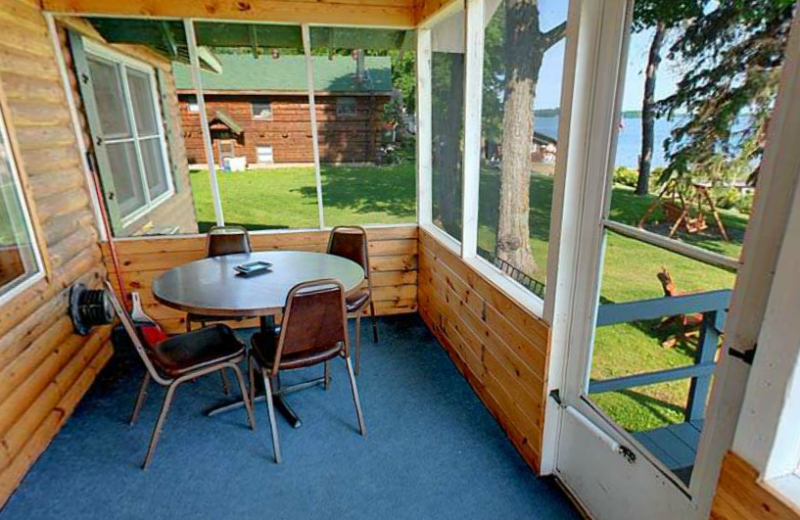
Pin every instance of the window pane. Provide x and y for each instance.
(254, 195)
(262, 110)
(125, 172)
(365, 100)
(521, 97)
(640, 276)
(153, 157)
(108, 93)
(17, 258)
(143, 106)
(448, 122)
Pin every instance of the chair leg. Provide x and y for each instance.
(251, 378)
(273, 426)
(160, 424)
(353, 386)
(327, 378)
(226, 384)
(358, 343)
(140, 397)
(374, 323)
(248, 403)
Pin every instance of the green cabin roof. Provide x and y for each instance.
(288, 74)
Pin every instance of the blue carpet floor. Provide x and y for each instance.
(432, 451)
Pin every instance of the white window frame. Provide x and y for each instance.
(465, 246)
(768, 433)
(20, 284)
(271, 152)
(258, 116)
(124, 62)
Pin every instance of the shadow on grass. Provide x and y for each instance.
(390, 189)
(654, 406)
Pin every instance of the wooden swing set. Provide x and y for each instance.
(685, 213)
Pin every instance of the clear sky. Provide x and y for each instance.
(548, 90)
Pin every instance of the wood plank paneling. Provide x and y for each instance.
(500, 347)
(740, 496)
(381, 13)
(44, 367)
(393, 256)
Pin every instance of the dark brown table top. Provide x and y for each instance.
(212, 287)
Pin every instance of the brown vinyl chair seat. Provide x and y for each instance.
(356, 302)
(264, 348)
(194, 350)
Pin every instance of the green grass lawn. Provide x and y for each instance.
(283, 198)
(286, 198)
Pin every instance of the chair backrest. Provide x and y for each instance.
(350, 242)
(314, 321)
(133, 334)
(227, 240)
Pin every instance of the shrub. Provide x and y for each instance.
(626, 176)
(726, 198)
(745, 203)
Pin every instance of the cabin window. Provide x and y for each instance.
(20, 262)
(346, 106)
(262, 111)
(129, 133)
(264, 154)
(192, 104)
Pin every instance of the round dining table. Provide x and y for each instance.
(213, 287)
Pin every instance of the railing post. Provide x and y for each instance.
(706, 350)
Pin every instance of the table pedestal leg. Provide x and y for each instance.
(267, 325)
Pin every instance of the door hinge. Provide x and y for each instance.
(555, 394)
(747, 356)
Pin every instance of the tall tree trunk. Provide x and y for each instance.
(648, 109)
(449, 163)
(524, 50)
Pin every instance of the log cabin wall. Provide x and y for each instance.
(176, 213)
(393, 257)
(500, 348)
(740, 496)
(45, 368)
(342, 139)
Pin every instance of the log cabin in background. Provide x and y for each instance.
(259, 108)
(90, 130)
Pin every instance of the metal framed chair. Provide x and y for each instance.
(351, 242)
(313, 331)
(179, 359)
(222, 241)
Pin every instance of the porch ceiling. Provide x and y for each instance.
(376, 13)
(168, 37)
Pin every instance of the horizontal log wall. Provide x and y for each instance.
(741, 497)
(500, 348)
(342, 139)
(393, 256)
(45, 368)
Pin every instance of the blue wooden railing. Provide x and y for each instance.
(712, 305)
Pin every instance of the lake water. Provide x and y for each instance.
(629, 145)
